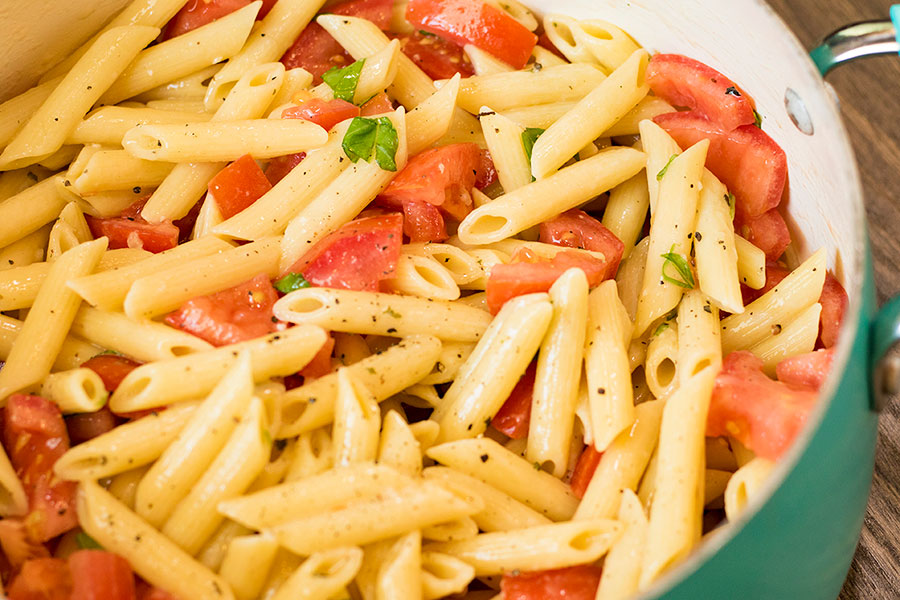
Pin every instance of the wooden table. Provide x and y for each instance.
(870, 97)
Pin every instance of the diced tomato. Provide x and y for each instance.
(378, 105)
(320, 365)
(316, 51)
(476, 23)
(545, 42)
(423, 222)
(355, 257)
(267, 5)
(145, 591)
(130, 230)
(197, 13)
(774, 274)
(487, 173)
(514, 417)
(238, 185)
(584, 470)
(101, 575)
(42, 579)
(324, 114)
(577, 229)
(87, 426)
(18, 548)
(763, 414)
(834, 303)
(688, 83)
(530, 276)
(34, 435)
(439, 58)
(768, 232)
(441, 176)
(571, 583)
(111, 368)
(747, 160)
(282, 165)
(234, 315)
(806, 370)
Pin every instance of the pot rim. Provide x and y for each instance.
(718, 539)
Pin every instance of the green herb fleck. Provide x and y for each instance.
(266, 436)
(662, 172)
(86, 542)
(729, 199)
(537, 466)
(366, 137)
(392, 313)
(682, 268)
(371, 370)
(428, 33)
(757, 119)
(662, 327)
(291, 283)
(529, 137)
(343, 81)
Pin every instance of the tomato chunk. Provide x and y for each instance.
(688, 83)
(423, 222)
(324, 114)
(280, 166)
(834, 303)
(476, 23)
(196, 13)
(355, 257)
(768, 232)
(18, 548)
(145, 591)
(487, 173)
(101, 575)
(238, 185)
(34, 435)
(526, 275)
(806, 370)
(439, 58)
(111, 368)
(577, 229)
(584, 470)
(316, 51)
(571, 583)
(747, 160)
(378, 105)
(441, 176)
(42, 579)
(87, 426)
(131, 231)
(514, 417)
(763, 414)
(234, 315)
(320, 365)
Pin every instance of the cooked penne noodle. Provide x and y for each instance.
(110, 170)
(484, 63)
(422, 277)
(108, 124)
(75, 391)
(699, 339)
(124, 486)
(16, 111)
(190, 88)
(715, 248)
(444, 575)
(72, 353)
(646, 109)
(796, 337)
(246, 564)
(630, 277)
(745, 485)
(13, 501)
(322, 575)
(591, 41)
(622, 566)
(32, 208)
(459, 529)
(398, 447)
(751, 263)
(430, 120)
(626, 211)
(659, 147)
(27, 251)
(400, 576)
(357, 422)
(504, 141)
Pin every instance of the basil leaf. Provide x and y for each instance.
(366, 137)
(757, 119)
(529, 137)
(86, 542)
(662, 172)
(343, 81)
(292, 282)
(729, 199)
(662, 327)
(682, 268)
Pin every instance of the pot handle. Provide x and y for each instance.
(869, 38)
(886, 360)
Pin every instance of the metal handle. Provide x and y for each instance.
(870, 38)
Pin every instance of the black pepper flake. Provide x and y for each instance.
(484, 458)
(698, 237)
(707, 308)
(601, 390)
(136, 189)
(776, 329)
(732, 91)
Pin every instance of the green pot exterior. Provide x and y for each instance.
(800, 543)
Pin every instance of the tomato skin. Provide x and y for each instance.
(234, 315)
(514, 417)
(320, 365)
(763, 414)
(577, 229)
(685, 82)
(378, 105)
(477, 23)
(355, 257)
(145, 591)
(35, 436)
(768, 232)
(42, 579)
(487, 173)
(87, 426)
(806, 370)
(134, 232)
(100, 575)
(775, 273)
(747, 160)
(423, 222)
(439, 58)
(571, 583)
(280, 166)
(111, 368)
(324, 114)
(834, 303)
(238, 185)
(584, 470)
(441, 176)
(197, 13)
(316, 51)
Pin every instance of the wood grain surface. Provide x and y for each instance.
(869, 91)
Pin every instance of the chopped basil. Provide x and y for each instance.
(757, 119)
(428, 33)
(266, 436)
(682, 268)
(733, 91)
(366, 137)
(665, 169)
(662, 327)
(292, 282)
(529, 137)
(343, 81)
(86, 542)
(537, 466)
(392, 313)
(729, 199)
